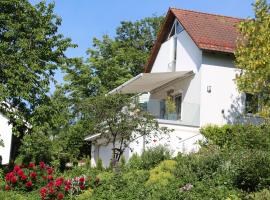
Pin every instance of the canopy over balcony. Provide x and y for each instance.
(146, 82)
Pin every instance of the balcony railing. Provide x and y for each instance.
(188, 114)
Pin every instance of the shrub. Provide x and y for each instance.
(261, 195)
(162, 174)
(251, 170)
(150, 158)
(99, 164)
(244, 136)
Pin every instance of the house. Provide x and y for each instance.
(189, 81)
(6, 138)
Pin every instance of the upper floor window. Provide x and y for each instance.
(176, 29)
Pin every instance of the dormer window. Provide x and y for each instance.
(176, 28)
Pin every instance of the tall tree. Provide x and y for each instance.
(30, 51)
(114, 61)
(253, 57)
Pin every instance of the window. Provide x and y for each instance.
(251, 104)
(176, 29)
(172, 106)
(178, 105)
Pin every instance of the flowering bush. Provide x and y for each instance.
(32, 177)
(59, 188)
(27, 177)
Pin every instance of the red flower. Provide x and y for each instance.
(20, 172)
(82, 186)
(58, 183)
(50, 177)
(23, 177)
(50, 184)
(16, 168)
(51, 190)
(7, 187)
(29, 184)
(42, 165)
(13, 179)
(60, 196)
(43, 192)
(67, 187)
(33, 175)
(50, 170)
(82, 179)
(31, 165)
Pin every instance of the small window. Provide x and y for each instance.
(179, 28)
(176, 29)
(178, 105)
(251, 104)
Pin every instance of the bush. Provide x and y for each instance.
(244, 136)
(261, 195)
(251, 170)
(150, 158)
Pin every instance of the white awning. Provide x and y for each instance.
(146, 82)
(92, 137)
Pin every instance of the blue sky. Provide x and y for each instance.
(85, 19)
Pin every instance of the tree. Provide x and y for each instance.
(253, 57)
(115, 61)
(30, 51)
(120, 121)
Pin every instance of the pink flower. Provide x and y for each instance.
(29, 184)
(60, 196)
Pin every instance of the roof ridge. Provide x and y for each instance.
(219, 15)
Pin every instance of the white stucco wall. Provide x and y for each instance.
(163, 58)
(224, 103)
(183, 139)
(189, 56)
(5, 135)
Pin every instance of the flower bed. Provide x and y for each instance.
(33, 177)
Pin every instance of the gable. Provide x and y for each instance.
(208, 31)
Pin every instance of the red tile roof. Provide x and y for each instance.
(208, 31)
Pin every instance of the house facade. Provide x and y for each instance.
(6, 137)
(189, 81)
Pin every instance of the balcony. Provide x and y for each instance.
(187, 114)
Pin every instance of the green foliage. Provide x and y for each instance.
(99, 164)
(252, 56)
(149, 158)
(31, 50)
(115, 61)
(120, 121)
(261, 195)
(244, 136)
(161, 175)
(251, 170)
